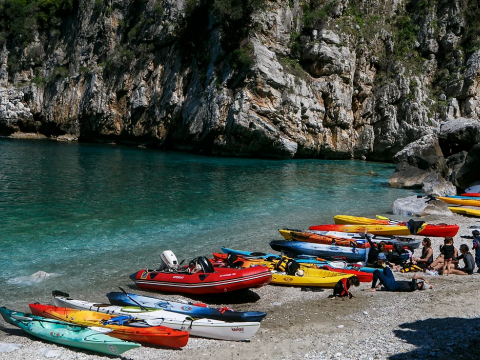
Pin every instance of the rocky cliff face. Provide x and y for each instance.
(321, 78)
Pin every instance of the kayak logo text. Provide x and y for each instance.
(239, 329)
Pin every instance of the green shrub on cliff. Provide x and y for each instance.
(20, 18)
(471, 11)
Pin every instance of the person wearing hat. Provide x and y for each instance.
(476, 247)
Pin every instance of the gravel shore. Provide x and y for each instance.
(440, 323)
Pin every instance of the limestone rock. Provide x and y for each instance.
(435, 185)
(469, 172)
(326, 91)
(454, 163)
(459, 134)
(420, 206)
(416, 160)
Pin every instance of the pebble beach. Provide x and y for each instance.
(440, 323)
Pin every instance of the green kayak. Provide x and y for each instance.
(66, 334)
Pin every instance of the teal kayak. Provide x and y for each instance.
(66, 334)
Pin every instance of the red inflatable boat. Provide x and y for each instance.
(208, 280)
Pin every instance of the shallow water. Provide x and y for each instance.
(96, 213)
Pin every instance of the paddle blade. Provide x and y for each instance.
(154, 322)
(21, 317)
(101, 330)
(382, 217)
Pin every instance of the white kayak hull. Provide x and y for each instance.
(207, 328)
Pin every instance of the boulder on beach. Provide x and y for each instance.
(435, 185)
(416, 161)
(420, 206)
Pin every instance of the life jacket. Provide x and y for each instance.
(410, 268)
(345, 287)
(287, 265)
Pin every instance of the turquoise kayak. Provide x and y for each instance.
(66, 334)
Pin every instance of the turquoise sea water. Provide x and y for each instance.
(96, 213)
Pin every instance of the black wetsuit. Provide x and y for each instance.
(341, 289)
(372, 253)
(448, 251)
(469, 263)
(388, 281)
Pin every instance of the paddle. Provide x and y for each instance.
(141, 306)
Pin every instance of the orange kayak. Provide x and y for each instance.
(155, 335)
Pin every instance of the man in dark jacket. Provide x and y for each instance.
(476, 247)
(389, 283)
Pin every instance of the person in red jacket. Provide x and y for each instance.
(342, 287)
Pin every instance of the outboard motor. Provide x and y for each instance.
(168, 261)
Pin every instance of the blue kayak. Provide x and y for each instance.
(320, 250)
(302, 259)
(187, 308)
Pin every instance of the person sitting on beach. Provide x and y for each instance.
(448, 251)
(389, 283)
(468, 261)
(427, 255)
(476, 247)
(343, 285)
(437, 264)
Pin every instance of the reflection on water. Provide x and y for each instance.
(91, 212)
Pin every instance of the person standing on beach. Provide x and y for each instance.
(374, 251)
(448, 251)
(388, 281)
(476, 247)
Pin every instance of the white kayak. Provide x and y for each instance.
(207, 328)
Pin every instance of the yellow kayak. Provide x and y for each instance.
(465, 211)
(451, 200)
(287, 234)
(311, 277)
(358, 220)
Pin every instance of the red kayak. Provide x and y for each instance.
(471, 194)
(362, 276)
(209, 280)
(438, 230)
